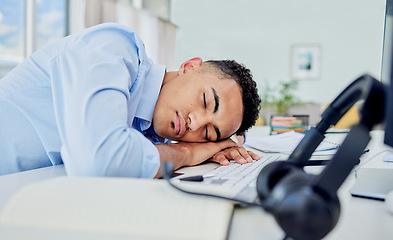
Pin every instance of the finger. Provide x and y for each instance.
(244, 153)
(235, 155)
(221, 159)
(254, 155)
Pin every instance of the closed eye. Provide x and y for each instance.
(204, 100)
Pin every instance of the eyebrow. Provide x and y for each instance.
(216, 100)
(218, 133)
(216, 105)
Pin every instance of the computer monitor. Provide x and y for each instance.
(386, 71)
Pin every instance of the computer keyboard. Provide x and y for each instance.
(237, 176)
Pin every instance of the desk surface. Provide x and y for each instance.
(360, 218)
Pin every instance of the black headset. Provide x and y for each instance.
(306, 206)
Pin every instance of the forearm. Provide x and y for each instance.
(189, 154)
(170, 152)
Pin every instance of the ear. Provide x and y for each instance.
(193, 63)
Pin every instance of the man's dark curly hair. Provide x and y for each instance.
(230, 69)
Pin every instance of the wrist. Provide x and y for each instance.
(174, 153)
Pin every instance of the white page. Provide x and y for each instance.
(119, 206)
(283, 143)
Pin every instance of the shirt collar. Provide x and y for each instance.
(151, 89)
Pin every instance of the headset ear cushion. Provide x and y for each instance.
(302, 211)
(270, 175)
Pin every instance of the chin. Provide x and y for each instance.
(170, 138)
(189, 140)
(166, 135)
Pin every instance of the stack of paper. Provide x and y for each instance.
(286, 143)
(286, 124)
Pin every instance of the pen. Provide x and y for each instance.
(196, 178)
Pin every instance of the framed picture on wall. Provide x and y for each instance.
(305, 61)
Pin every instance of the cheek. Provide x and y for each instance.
(161, 123)
(236, 123)
(231, 126)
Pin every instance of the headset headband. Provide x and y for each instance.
(371, 112)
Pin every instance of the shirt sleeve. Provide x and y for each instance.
(91, 86)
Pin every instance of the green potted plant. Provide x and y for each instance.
(281, 97)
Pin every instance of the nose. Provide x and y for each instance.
(197, 120)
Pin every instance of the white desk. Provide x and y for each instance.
(359, 219)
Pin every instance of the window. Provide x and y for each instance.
(51, 22)
(12, 26)
(27, 25)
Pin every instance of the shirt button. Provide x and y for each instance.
(147, 123)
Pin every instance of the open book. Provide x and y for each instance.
(120, 208)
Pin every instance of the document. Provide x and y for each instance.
(286, 143)
(118, 207)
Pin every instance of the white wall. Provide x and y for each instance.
(259, 34)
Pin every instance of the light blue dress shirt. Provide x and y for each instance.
(86, 100)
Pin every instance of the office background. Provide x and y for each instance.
(259, 33)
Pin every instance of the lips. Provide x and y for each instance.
(180, 126)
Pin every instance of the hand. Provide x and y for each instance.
(190, 154)
(239, 154)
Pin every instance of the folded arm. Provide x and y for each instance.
(189, 154)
